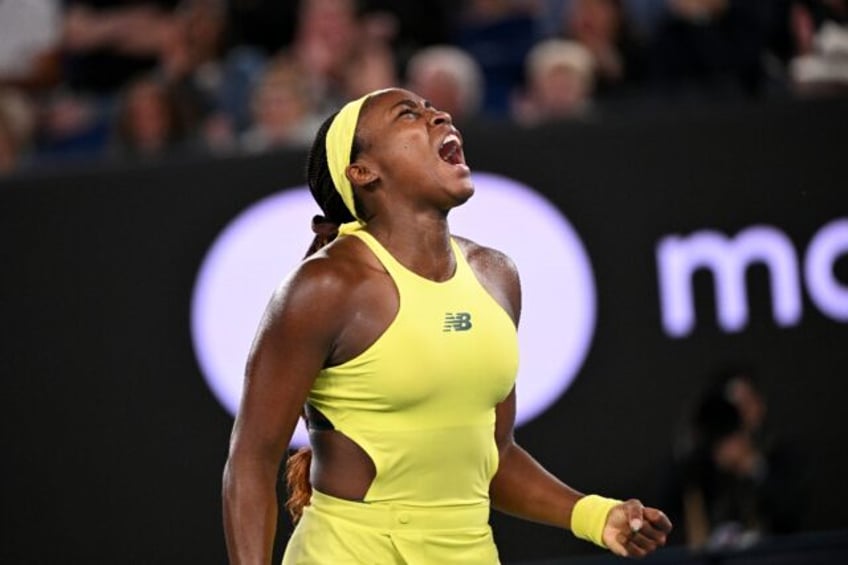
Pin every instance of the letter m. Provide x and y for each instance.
(728, 260)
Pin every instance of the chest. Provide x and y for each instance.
(448, 348)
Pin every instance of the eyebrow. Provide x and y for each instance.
(409, 103)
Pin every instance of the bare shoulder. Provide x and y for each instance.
(488, 261)
(496, 271)
(320, 312)
(321, 287)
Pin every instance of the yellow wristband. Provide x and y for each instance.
(589, 516)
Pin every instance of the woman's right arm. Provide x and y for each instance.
(294, 339)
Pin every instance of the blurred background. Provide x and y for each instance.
(697, 147)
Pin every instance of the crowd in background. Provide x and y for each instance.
(81, 80)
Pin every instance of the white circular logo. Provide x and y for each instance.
(259, 247)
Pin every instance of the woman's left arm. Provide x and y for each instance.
(523, 488)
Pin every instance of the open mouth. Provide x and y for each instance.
(451, 150)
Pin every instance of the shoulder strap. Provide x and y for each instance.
(391, 264)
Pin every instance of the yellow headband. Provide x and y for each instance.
(339, 143)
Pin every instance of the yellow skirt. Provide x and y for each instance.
(335, 531)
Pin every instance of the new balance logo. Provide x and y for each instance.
(458, 322)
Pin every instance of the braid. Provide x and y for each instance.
(297, 482)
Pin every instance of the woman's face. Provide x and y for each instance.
(414, 150)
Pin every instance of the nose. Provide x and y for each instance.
(439, 117)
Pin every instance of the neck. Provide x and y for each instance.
(421, 243)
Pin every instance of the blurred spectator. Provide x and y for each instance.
(213, 86)
(29, 43)
(712, 49)
(17, 123)
(324, 46)
(72, 126)
(283, 111)
(107, 42)
(643, 17)
(151, 120)
(742, 391)
(498, 34)
(602, 28)
(417, 24)
(371, 67)
(343, 52)
(736, 483)
(560, 78)
(194, 43)
(449, 78)
(819, 29)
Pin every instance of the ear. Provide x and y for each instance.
(360, 174)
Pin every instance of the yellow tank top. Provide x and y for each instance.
(421, 399)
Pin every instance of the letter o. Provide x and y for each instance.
(826, 291)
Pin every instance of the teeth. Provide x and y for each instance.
(449, 138)
(450, 149)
